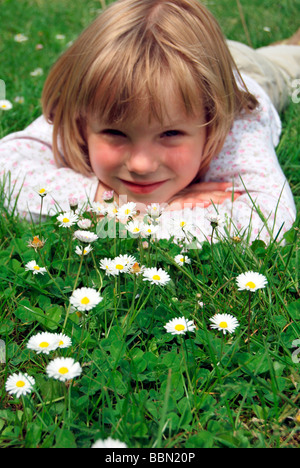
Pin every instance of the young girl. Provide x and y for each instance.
(149, 102)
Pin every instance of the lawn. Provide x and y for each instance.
(122, 374)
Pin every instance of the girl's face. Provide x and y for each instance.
(148, 162)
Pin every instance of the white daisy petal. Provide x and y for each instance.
(109, 443)
(5, 105)
(85, 236)
(179, 326)
(84, 299)
(156, 276)
(35, 268)
(63, 369)
(67, 219)
(19, 384)
(43, 342)
(251, 281)
(224, 322)
(85, 251)
(181, 259)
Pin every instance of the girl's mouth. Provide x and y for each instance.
(142, 187)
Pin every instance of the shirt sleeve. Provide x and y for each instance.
(26, 161)
(248, 160)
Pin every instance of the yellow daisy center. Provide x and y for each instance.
(179, 327)
(127, 211)
(250, 284)
(119, 267)
(44, 344)
(42, 190)
(156, 277)
(20, 383)
(182, 223)
(85, 251)
(85, 300)
(136, 229)
(36, 267)
(60, 343)
(66, 220)
(223, 325)
(63, 370)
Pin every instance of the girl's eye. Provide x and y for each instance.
(113, 132)
(172, 133)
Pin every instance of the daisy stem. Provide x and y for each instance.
(74, 287)
(47, 269)
(249, 318)
(40, 218)
(184, 354)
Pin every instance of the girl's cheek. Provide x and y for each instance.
(105, 157)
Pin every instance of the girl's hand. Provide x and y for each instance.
(203, 193)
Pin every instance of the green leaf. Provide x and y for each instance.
(202, 440)
(65, 439)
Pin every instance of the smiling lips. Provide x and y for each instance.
(142, 187)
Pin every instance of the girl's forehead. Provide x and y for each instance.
(165, 105)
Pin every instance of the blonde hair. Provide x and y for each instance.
(121, 64)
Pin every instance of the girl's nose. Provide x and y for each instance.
(142, 161)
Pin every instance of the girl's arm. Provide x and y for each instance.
(28, 157)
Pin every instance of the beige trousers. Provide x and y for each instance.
(275, 68)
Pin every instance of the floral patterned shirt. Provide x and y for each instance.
(248, 160)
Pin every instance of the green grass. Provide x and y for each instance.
(138, 383)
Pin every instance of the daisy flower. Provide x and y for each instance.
(73, 202)
(127, 210)
(67, 219)
(63, 369)
(32, 266)
(42, 190)
(64, 341)
(179, 326)
(108, 196)
(112, 210)
(134, 227)
(5, 105)
(156, 276)
(137, 269)
(84, 223)
(181, 259)
(85, 251)
(36, 243)
(20, 38)
(19, 99)
(107, 265)
(154, 210)
(122, 263)
(19, 384)
(215, 220)
(251, 281)
(109, 443)
(84, 299)
(37, 72)
(224, 322)
(43, 342)
(99, 208)
(85, 236)
(149, 229)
